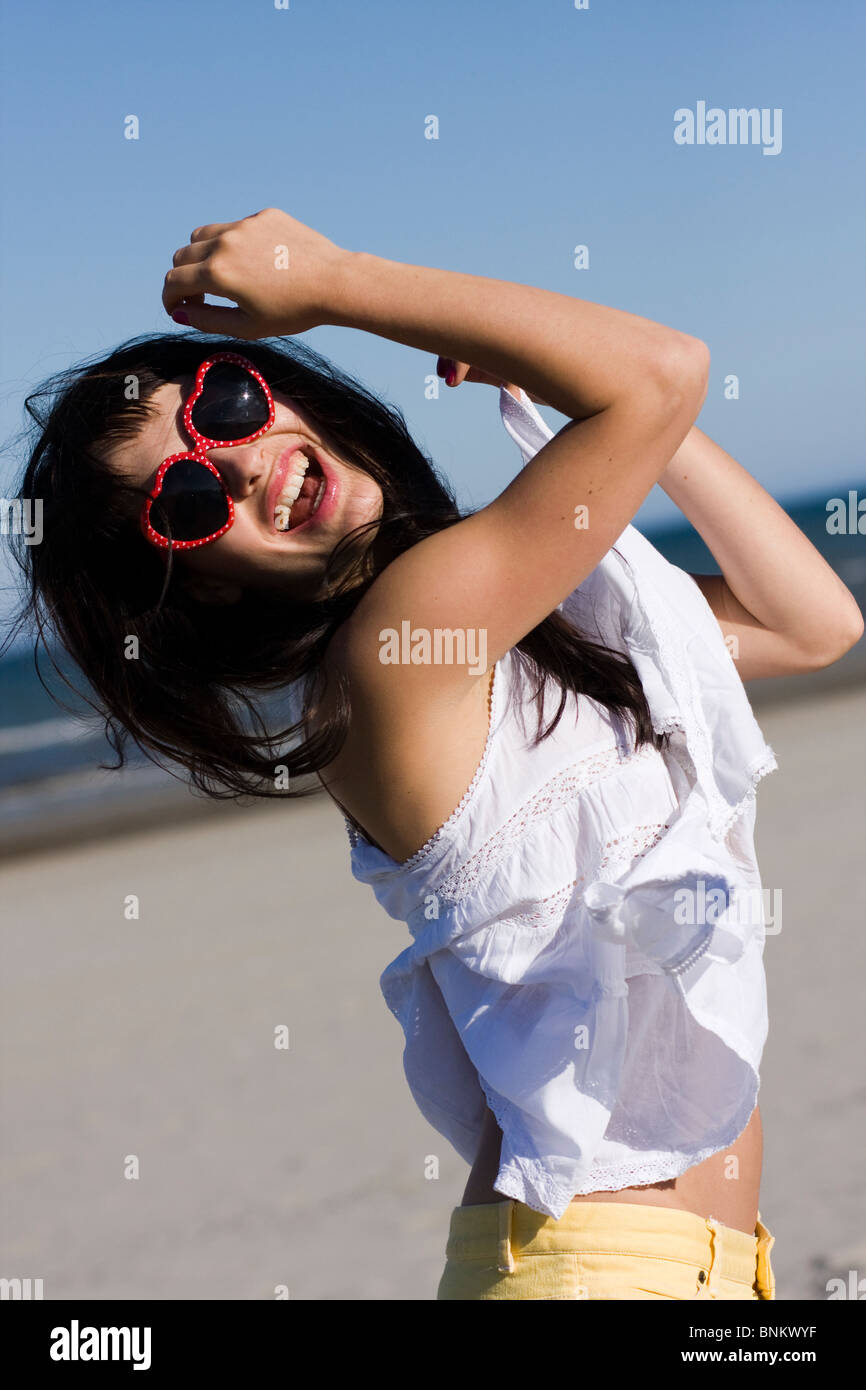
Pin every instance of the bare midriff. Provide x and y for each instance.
(724, 1186)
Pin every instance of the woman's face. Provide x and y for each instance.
(256, 552)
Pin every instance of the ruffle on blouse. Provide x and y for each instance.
(617, 1037)
(614, 1044)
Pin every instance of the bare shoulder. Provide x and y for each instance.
(412, 746)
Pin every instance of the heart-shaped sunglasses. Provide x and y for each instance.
(230, 404)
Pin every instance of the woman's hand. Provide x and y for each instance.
(781, 608)
(457, 372)
(280, 274)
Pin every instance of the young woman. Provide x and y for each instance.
(535, 727)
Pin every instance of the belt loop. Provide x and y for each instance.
(506, 1258)
(765, 1279)
(715, 1270)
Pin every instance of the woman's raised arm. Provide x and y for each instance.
(780, 606)
(631, 387)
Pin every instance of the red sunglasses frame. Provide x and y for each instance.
(201, 442)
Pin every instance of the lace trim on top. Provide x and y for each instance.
(691, 723)
(526, 1179)
(556, 793)
(721, 827)
(624, 851)
(356, 834)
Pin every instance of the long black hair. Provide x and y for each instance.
(207, 688)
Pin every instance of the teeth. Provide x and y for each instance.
(291, 489)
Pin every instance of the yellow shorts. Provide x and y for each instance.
(602, 1250)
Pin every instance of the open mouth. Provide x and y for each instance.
(301, 493)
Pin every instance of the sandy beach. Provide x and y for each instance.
(148, 1041)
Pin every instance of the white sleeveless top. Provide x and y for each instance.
(587, 926)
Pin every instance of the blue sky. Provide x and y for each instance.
(555, 129)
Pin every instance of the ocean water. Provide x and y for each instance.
(46, 752)
(39, 740)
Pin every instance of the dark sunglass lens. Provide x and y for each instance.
(232, 404)
(191, 505)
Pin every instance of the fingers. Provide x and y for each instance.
(478, 374)
(214, 318)
(457, 372)
(214, 229)
(201, 268)
(443, 366)
(453, 372)
(211, 230)
(189, 281)
(196, 260)
(194, 252)
(178, 284)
